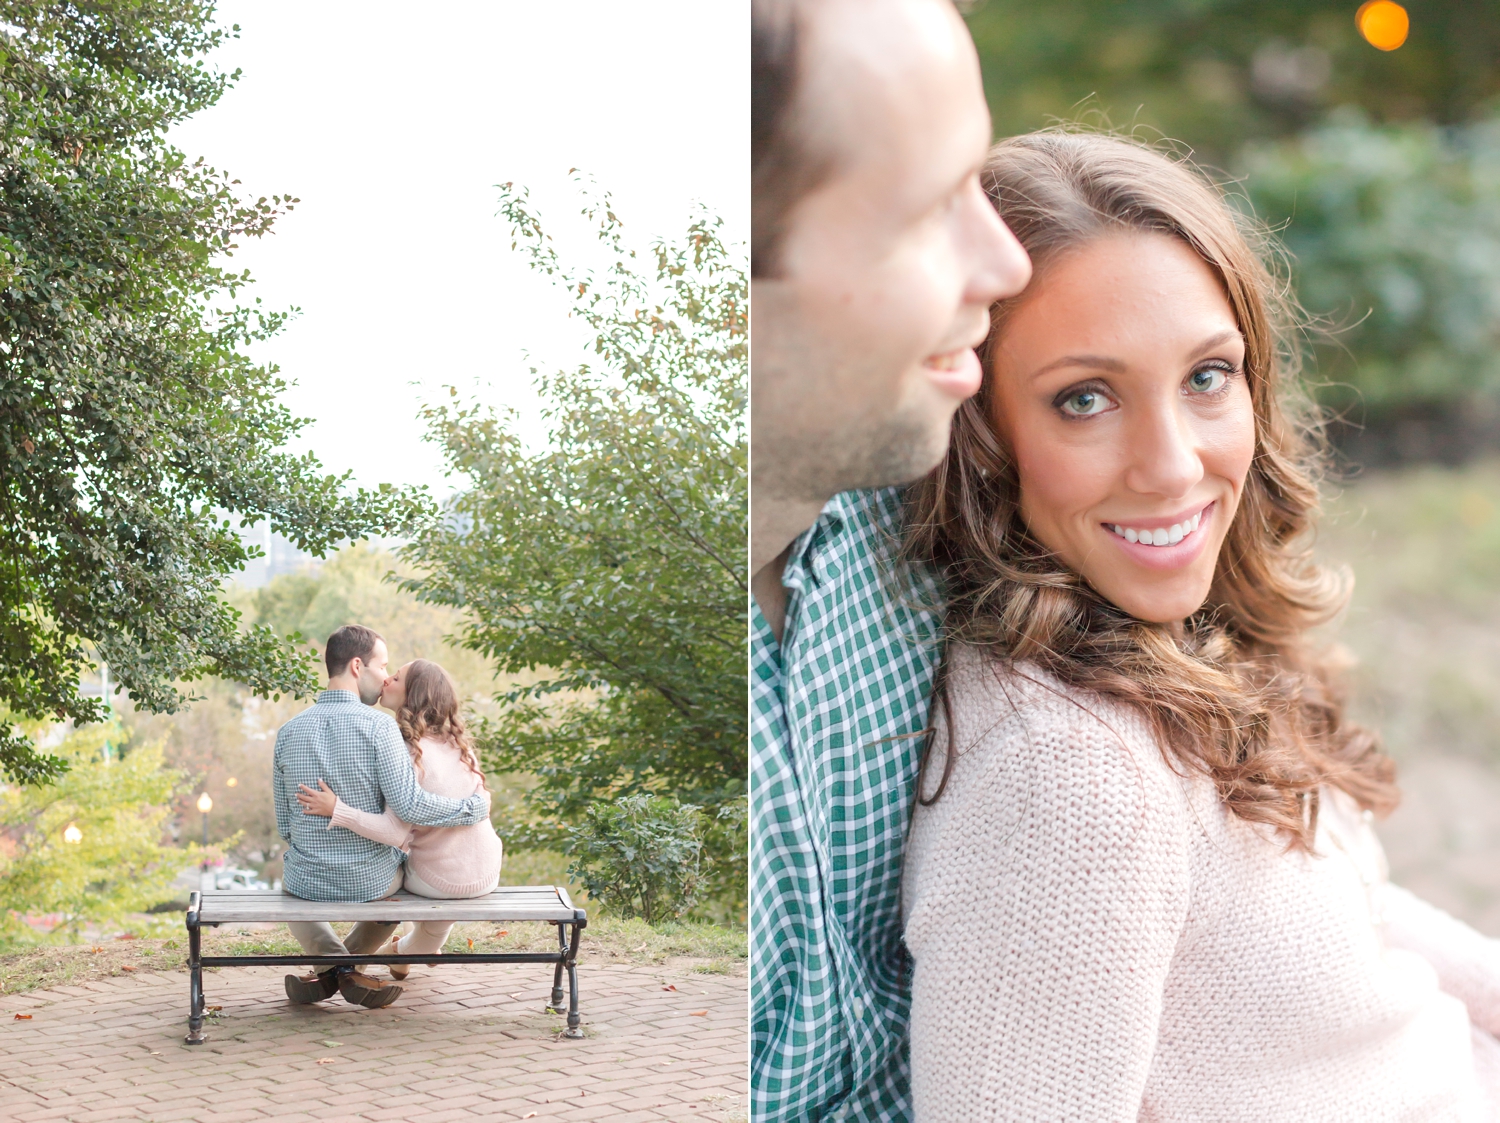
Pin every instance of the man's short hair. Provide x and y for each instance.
(351, 642)
(783, 168)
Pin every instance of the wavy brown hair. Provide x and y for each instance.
(1237, 691)
(432, 709)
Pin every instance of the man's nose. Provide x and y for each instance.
(1000, 265)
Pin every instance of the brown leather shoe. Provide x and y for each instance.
(398, 970)
(314, 987)
(366, 990)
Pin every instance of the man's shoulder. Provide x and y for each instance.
(878, 589)
(343, 715)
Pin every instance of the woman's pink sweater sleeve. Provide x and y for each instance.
(1467, 963)
(387, 828)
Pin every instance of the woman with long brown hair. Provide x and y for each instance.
(444, 862)
(1141, 881)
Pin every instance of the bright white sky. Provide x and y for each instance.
(394, 131)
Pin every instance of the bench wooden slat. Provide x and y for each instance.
(508, 903)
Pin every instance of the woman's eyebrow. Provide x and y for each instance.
(1098, 362)
(1219, 339)
(1115, 366)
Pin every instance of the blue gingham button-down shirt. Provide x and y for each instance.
(837, 709)
(360, 753)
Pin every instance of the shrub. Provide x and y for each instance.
(1394, 232)
(641, 855)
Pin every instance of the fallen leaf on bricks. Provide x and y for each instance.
(698, 1013)
(215, 1009)
(327, 1060)
(528, 1115)
(669, 988)
(126, 967)
(332, 1044)
(23, 1017)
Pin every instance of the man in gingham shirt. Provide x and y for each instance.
(359, 752)
(875, 259)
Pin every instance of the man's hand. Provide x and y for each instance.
(320, 803)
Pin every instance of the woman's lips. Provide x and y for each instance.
(1173, 555)
(956, 373)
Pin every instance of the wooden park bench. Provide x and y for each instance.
(510, 904)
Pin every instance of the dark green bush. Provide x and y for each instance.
(641, 855)
(1394, 232)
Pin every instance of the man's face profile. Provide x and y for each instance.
(372, 674)
(886, 271)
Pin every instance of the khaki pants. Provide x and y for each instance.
(318, 938)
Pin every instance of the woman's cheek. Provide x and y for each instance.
(1229, 443)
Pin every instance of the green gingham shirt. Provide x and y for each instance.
(360, 753)
(836, 712)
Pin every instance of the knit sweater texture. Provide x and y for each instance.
(1097, 937)
(457, 861)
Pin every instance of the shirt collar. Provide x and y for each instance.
(345, 696)
(806, 563)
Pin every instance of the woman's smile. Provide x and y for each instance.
(1162, 543)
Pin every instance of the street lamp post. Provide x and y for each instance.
(205, 805)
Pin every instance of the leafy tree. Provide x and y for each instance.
(1214, 73)
(115, 864)
(130, 417)
(612, 562)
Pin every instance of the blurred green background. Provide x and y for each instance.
(1381, 172)
(1381, 169)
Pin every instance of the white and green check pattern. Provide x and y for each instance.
(836, 715)
(359, 751)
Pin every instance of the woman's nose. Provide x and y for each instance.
(1164, 455)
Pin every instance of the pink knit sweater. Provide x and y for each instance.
(1097, 938)
(456, 861)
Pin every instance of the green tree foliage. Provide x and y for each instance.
(118, 864)
(1214, 73)
(1395, 235)
(612, 561)
(640, 856)
(129, 413)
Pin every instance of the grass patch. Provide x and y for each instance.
(44, 966)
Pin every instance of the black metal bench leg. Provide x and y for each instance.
(556, 1005)
(195, 976)
(575, 1028)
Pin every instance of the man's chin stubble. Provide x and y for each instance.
(902, 451)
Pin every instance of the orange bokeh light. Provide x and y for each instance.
(1383, 23)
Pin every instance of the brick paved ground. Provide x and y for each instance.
(462, 1043)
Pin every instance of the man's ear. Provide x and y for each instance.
(356, 665)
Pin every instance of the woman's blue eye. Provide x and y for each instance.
(1085, 402)
(1207, 380)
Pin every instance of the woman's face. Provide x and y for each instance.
(1120, 388)
(393, 694)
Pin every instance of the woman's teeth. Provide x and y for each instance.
(951, 360)
(1162, 536)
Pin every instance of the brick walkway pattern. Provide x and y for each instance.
(462, 1043)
